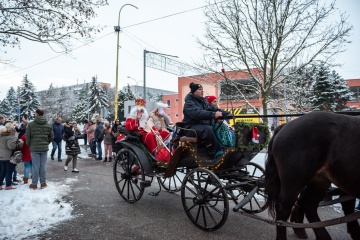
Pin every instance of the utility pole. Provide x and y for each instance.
(117, 29)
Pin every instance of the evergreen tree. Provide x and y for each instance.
(2, 107)
(12, 103)
(80, 112)
(98, 99)
(297, 90)
(329, 92)
(343, 94)
(28, 99)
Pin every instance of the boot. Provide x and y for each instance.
(110, 159)
(25, 180)
(105, 160)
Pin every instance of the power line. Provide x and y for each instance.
(136, 24)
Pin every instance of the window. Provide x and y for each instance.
(236, 89)
(356, 94)
(176, 115)
(129, 109)
(176, 100)
(168, 103)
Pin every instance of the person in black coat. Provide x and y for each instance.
(72, 148)
(198, 114)
(99, 137)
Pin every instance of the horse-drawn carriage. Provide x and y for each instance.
(304, 158)
(206, 184)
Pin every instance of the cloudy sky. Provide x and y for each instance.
(175, 35)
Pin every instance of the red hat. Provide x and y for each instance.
(209, 99)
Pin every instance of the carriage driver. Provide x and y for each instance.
(198, 115)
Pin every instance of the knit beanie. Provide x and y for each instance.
(194, 87)
(209, 99)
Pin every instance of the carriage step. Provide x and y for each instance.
(145, 184)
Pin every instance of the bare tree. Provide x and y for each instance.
(47, 21)
(270, 36)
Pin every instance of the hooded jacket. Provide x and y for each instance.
(39, 134)
(198, 111)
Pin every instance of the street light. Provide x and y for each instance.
(117, 29)
(136, 86)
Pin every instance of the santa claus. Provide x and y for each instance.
(137, 121)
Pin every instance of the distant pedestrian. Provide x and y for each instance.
(91, 138)
(98, 137)
(86, 127)
(72, 147)
(58, 129)
(39, 134)
(272, 129)
(108, 141)
(21, 129)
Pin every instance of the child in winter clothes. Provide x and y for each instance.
(72, 147)
(26, 159)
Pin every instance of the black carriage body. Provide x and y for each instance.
(143, 156)
(232, 176)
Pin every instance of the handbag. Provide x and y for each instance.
(16, 156)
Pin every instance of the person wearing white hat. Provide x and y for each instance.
(159, 120)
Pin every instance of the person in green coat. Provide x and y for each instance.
(39, 134)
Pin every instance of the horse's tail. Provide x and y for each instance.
(272, 180)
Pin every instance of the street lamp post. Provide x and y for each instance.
(136, 86)
(117, 29)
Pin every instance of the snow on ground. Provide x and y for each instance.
(25, 212)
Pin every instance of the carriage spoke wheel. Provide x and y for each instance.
(128, 175)
(204, 199)
(173, 183)
(257, 203)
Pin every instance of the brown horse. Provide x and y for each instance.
(304, 157)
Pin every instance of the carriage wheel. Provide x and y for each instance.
(257, 203)
(173, 183)
(204, 199)
(129, 175)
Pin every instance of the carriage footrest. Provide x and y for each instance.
(145, 184)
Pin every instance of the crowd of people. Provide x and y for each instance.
(33, 140)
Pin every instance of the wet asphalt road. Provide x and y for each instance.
(100, 212)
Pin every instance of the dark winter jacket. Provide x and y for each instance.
(198, 111)
(39, 134)
(58, 129)
(71, 137)
(21, 130)
(98, 132)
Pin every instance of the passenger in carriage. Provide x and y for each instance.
(138, 122)
(159, 120)
(223, 133)
(198, 115)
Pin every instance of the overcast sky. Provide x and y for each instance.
(173, 35)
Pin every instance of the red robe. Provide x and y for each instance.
(148, 138)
